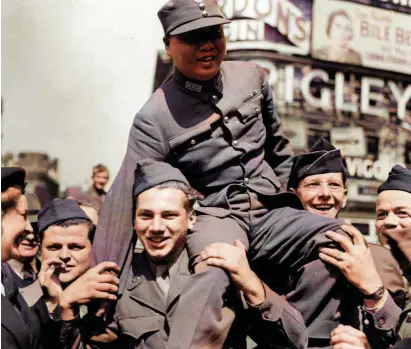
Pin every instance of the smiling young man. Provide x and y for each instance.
(25, 268)
(20, 327)
(393, 223)
(145, 313)
(318, 177)
(216, 122)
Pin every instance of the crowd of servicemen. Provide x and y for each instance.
(240, 237)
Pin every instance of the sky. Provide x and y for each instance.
(73, 75)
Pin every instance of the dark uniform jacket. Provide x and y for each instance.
(20, 323)
(217, 133)
(143, 315)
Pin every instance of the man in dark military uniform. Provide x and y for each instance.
(319, 179)
(158, 275)
(393, 222)
(217, 124)
(20, 327)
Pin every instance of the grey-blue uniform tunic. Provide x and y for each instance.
(226, 138)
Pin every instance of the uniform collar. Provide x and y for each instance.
(172, 267)
(203, 90)
(18, 266)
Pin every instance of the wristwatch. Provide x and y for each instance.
(378, 294)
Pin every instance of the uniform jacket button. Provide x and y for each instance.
(267, 315)
(202, 6)
(235, 142)
(204, 14)
(257, 110)
(214, 97)
(226, 119)
(246, 180)
(366, 322)
(381, 322)
(135, 278)
(193, 142)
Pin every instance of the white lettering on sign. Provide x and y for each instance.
(287, 90)
(324, 102)
(281, 14)
(245, 30)
(339, 95)
(367, 95)
(366, 168)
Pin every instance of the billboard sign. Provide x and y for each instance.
(396, 5)
(278, 25)
(349, 33)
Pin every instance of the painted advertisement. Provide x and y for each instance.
(349, 33)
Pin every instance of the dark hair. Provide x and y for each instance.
(166, 40)
(191, 194)
(332, 18)
(8, 202)
(75, 221)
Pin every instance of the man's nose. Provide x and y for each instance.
(207, 45)
(157, 224)
(64, 254)
(325, 190)
(391, 220)
(28, 226)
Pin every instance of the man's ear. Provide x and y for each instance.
(345, 198)
(166, 41)
(192, 220)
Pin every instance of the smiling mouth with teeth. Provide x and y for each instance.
(323, 207)
(207, 59)
(157, 239)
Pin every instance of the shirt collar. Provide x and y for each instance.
(203, 90)
(18, 266)
(172, 267)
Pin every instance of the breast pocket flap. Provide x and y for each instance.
(137, 327)
(251, 108)
(190, 137)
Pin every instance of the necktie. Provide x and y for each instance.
(28, 272)
(163, 278)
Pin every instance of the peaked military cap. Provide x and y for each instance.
(59, 210)
(11, 176)
(150, 173)
(181, 16)
(399, 178)
(323, 157)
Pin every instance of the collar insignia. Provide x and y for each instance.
(193, 87)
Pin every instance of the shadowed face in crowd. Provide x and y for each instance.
(393, 216)
(15, 227)
(323, 194)
(72, 246)
(162, 222)
(198, 54)
(100, 180)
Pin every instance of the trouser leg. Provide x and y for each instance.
(202, 318)
(286, 241)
